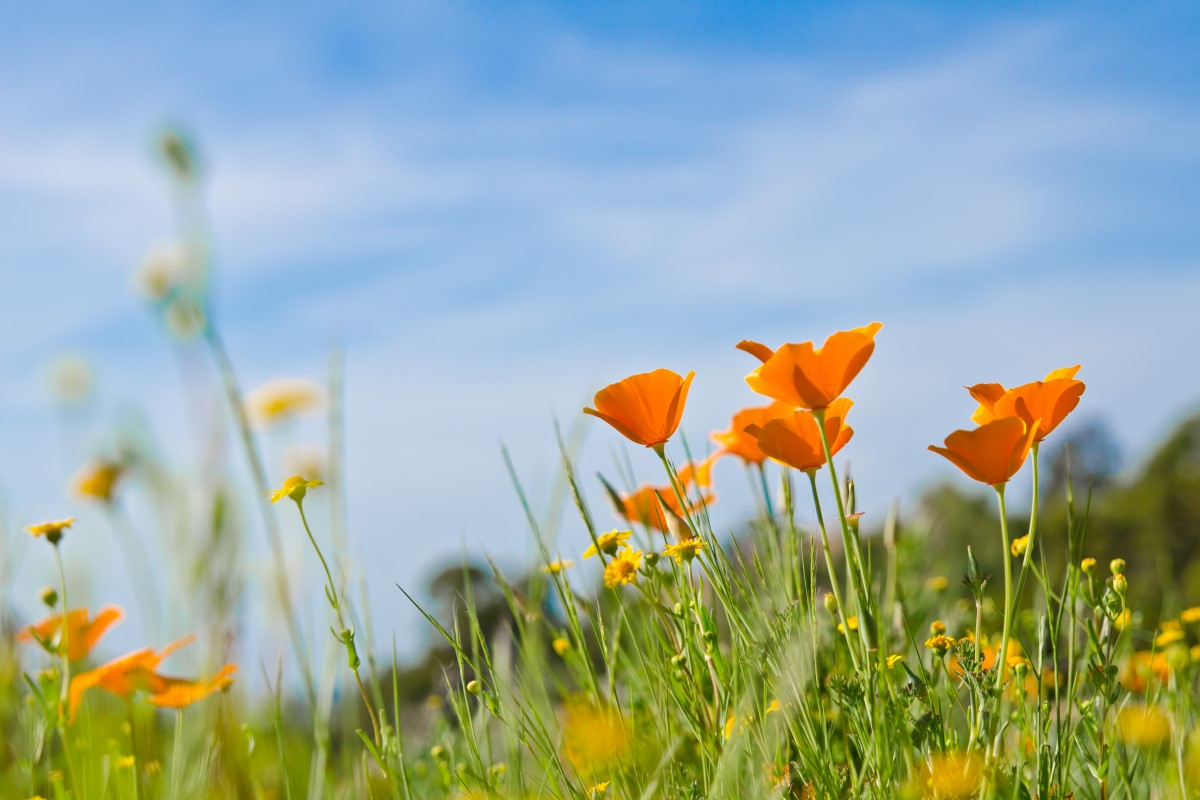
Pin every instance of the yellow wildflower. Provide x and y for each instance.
(1168, 636)
(851, 623)
(1190, 616)
(894, 659)
(685, 550)
(561, 645)
(596, 738)
(554, 567)
(1144, 726)
(623, 569)
(939, 644)
(1019, 546)
(597, 789)
(98, 479)
(938, 583)
(608, 543)
(281, 398)
(951, 776)
(294, 487)
(1123, 619)
(1196, 653)
(937, 628)
(52, 530)
(1087, 565)
(125, 762)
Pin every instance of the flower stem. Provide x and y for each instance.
(1002, 653)
(337, 609)
(833, 580)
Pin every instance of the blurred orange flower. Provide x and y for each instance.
(644, 408)
(699, 472)
(1049, 400)
(1143, 669)
(82, 633)
(993, 452)
(738, 441)
(795, 439)
(125, 675)
(807, 377)
(180, 693)
(645, 506)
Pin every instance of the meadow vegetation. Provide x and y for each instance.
(979, 651)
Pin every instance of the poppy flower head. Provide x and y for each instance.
(795, 438)
(82, 633)
(993, 452)
(644, 408)
(1049, 400)
(123, 676)
(804, 376)
(738, 441)
(180, 692)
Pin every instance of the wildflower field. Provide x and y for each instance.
(659, 653)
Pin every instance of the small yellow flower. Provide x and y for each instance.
(555, 567)
(1168, 636)
(52, 530)
(1123, 619)
(1018, 662)
(772, 707)
(1190, 616)
(939, 644)
(282, 398)
(851, 623)
(937, 628)
(623, 568)
(294, 487)
(730, 722)
(1019, 546)
(153, 767)
(1196, 653)
(894, 659)
(685, 550)
(1144, 726)
(125, 762)
(938, 583)
(98, 479)
(561, 645)
(608, 543)
(597, 789)
(952, 775)
(1088, 565)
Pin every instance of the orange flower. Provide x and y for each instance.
(645, 506)
(125, 675)
(98, 480)
(180, 693)
(795, 439)
(82, 634)
(738, 441)
(699, 472)
(1144, 669)
(993, 452)
(645, 408)
(1050, 400)
(807, 377)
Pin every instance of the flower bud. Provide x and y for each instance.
(831, 603)
(474, 687)
(1117, 565)
(1120, 584)
(937, 628)
(49, 597)
(1088, 565)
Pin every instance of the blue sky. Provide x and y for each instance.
(501, 207)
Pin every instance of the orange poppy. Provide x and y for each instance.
(737, 441)
(645, 408)
(807, 377)
(1144, 669)
(795, 439)
(656, 506)
(699, 472)
(82, 633)
(993, 452)
(1049, 400)
(125, 675)
(181, 693)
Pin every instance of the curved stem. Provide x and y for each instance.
(337, 609)
(1002, 653)
(833, 580)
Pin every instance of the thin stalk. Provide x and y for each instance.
(833, 579)
(1002, 653)
(177, 754)
(337, 608)
(258, 472)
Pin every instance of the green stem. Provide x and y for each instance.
(65, 643)
(258, 472)
(833, 579)
(337, 609)
(1002, 653)
(176, 754)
